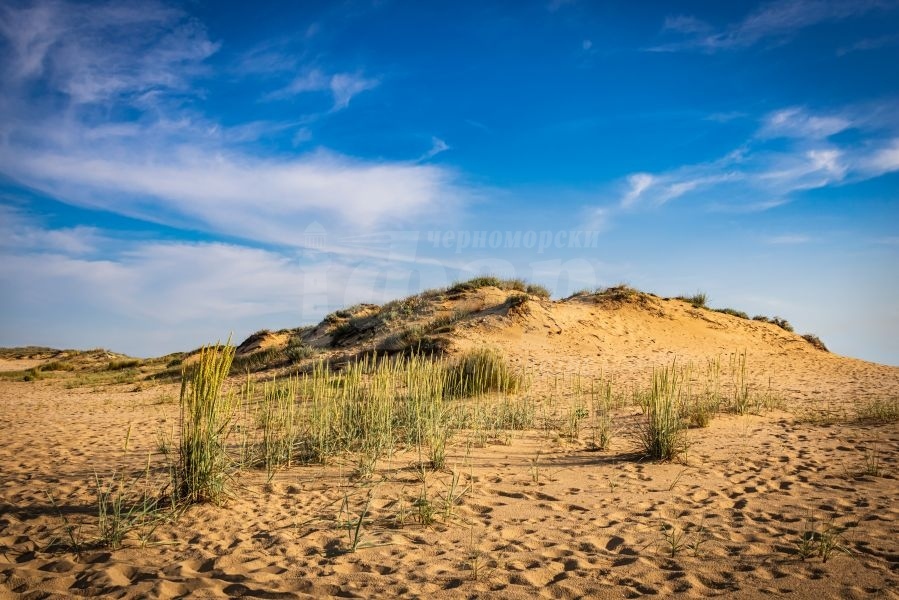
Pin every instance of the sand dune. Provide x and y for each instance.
(533, 514)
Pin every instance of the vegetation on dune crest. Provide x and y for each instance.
(815, 341)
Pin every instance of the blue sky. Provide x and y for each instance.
(170, 173)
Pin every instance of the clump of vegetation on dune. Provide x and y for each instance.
(815, 341)
(511, 285)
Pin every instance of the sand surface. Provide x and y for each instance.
(532, 514)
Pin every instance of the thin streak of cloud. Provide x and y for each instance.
(789, 239)
(438, 146)
(342, 87)
(866, 44)
(798, 123)
(780, 19)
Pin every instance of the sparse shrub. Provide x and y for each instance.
(207, 417)
(761, 318)
(782, 323)
(815, 341)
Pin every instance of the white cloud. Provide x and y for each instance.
(799, 123)
(146, 47)
(153, 297)
(865, 44)
(883, 160)
(788, 239)
(236, 194)
(437, 146)
(757, 169)
(774, 20)
(342, 86)
(150, 154)
(638, 183)
(18, 233)
(685, 24)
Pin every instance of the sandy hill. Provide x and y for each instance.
(383, 480)
(620, 332)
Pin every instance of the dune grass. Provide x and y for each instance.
(207, 418)
(663, 433)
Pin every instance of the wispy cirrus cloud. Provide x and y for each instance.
(156, 48)
(342, 86)
(869, 43)
(796, 122)
(778, 21)
(810, 159)
(123, 132)
(438, 146)
(788, 239)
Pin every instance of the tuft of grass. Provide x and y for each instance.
(820, 540)
(601, 416)
(618, 293)
(872, 462)
(698, 411)
(535, 289)
(881, 411)
(663, 433)
(674, 538)
(207, 419)
(481, 371)
(698, 300)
